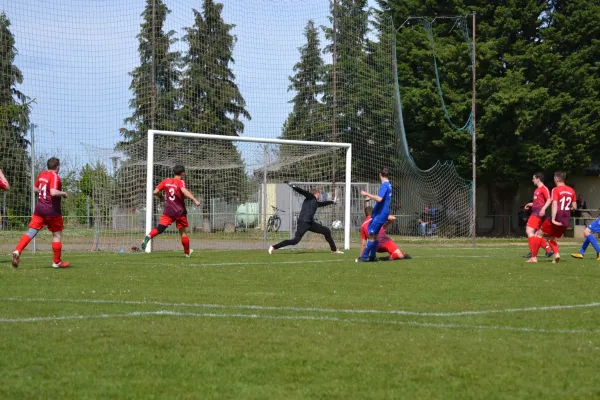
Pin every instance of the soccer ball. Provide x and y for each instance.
(337, 225)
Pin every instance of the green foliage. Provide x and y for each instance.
(14, 123)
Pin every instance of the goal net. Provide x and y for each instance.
(87, 81)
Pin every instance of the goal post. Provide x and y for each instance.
(292, 159)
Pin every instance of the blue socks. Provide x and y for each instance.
(584, 246)
(371, 250)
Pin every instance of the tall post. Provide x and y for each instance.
(33, 194)
(265, 201)
(474, 140)
(153, 95)
(149, 186)
(334, 97)
(347, 199)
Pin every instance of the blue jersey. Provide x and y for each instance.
(381, 211)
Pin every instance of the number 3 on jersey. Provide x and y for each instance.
(565, 203)
(172, 194)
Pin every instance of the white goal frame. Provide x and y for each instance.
(150, 169)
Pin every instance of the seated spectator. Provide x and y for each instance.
(427, 220)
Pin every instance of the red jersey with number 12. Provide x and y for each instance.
(540, 197)
(174, 203)
(48, 206)
(565, 197)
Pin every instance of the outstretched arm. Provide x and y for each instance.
(389, 221)
(189, 195)
(303, 192)
(371, 196)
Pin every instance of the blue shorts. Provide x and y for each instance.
(375, 226)
(594, 226)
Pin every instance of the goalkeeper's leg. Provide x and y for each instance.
(325, 231)
(303, 227)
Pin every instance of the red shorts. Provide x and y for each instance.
(550, 229)
(535, 222)
(55, 224)
(181, 222)
(389, 247)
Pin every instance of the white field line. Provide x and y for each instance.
(309, 309)
(299, 317)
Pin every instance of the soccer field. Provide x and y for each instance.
(454, 322)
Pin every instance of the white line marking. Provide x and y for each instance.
(299, 317)
(309, 309)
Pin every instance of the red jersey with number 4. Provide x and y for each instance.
(174, 203)
(565, 197)
(540, 197)
(382, 237)
(48, 206)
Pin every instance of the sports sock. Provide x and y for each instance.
(373, 252)
(554, 246)
(584, 245)
(153, 233)
(185, 241)
(367, 251)
(547, 247)
(395, 256)
(56, 248)
(537, 245)
(594, 242)
(23, 243)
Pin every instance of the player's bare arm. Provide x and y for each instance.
(373, 197)
(158, 193)
(58, 193)
(543, 209)
(389, 221)
(528, 206)
(190, 196)
(554, 211)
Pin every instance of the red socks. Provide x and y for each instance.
(23, 243)
(553, 246)
(535, 243)
(56, 248)
(185, 241)
(153, 233)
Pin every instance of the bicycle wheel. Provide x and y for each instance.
(276, 223)
(270, 224)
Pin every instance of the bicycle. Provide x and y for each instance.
(274, 222)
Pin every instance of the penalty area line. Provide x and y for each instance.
(301, 318)
(308, 309)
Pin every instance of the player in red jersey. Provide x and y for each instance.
(47, 212)
(540, 196)
(174, 208)
(385, 245)
(3, 182)
(563, 200)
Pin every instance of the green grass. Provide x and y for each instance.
(163, 326)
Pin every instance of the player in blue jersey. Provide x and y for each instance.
(380, 215)
(589, 233)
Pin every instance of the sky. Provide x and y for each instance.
(75, 56)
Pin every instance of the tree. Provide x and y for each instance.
(14, 125)
(211, 103)
(349, 101)
(96, 191)
(524, 117)
(154, 81)
(306, 121)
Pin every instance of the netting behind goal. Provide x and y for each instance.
(85, 81)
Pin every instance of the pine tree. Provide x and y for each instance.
(306, 121)
(212, 103)
(14, 124)
(154, 98)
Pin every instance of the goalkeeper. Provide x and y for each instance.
(306, 220)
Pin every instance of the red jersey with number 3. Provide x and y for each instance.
(540, 197)
(48, 206)
(174, 202)
(565, 197)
